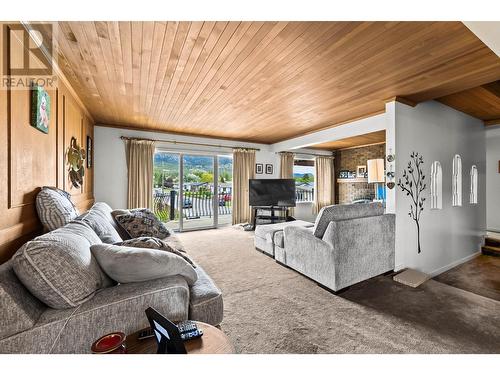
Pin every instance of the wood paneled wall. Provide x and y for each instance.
(30, 159)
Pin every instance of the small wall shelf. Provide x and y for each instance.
(352, 180)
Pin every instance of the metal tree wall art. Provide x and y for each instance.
(413, 185)
(76, 157)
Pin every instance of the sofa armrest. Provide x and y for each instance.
(309, 255)
(303, 238)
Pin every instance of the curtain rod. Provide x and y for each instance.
(305, 153)
(190, 143)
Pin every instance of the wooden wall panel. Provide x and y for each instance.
(30, 159)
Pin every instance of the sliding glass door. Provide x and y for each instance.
(193, 191)
(198, 173)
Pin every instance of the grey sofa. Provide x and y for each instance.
(30, 326)
(348, 244)
(268, 236)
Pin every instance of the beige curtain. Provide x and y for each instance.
(324, 183)
(140, 155)
(243, 170)
(286, 169)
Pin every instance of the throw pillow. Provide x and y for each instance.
(58, 267)
(130, 264)
(99, 218)
(142, 223)
(55, 208)
(154, 243)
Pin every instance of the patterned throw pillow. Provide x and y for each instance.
(156, 244)
(55, 208)
(142, 223)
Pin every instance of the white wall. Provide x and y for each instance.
(110, 167)
(453, 234)
(493, 178)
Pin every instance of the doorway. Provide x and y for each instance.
(192, 191)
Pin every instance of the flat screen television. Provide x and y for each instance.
(272, 192)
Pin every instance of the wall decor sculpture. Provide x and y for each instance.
(76, 161)
(414, 186)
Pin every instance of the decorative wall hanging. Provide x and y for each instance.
(413, 185)
(390, 170)
(473, 185)
(259, 168)
(269, 169)
(436, 186)
(456, 194)
(40, 108)
(89, 152)
(76, 161)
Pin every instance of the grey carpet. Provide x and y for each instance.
(271, 309)
(480, 275)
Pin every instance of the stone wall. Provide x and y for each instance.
(349, 159)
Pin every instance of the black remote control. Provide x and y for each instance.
(189, 330)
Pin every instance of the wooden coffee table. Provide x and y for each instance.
(213, 341)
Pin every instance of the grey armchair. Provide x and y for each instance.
(348, 244)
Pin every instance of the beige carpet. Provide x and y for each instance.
(271, 309)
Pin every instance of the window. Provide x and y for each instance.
(473, 185)
(436, 186)
(457, 181)
(304, 173)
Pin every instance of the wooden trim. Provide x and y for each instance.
(492, 122)
(361, 146)
(402, 100)
(18, 230)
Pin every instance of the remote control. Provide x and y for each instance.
(189, 330)
(145, 334)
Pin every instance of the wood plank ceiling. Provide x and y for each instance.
(482, 102)
(357, 141)
(264, 81)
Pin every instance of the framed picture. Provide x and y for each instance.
(361, 171)
(269, 169)
(259, 168)
(89, 152)
(40, 108)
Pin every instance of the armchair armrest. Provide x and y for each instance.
(363, 247)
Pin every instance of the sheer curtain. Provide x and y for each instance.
(140, 155)
(324, 183)
(243, 170)
(286, 169)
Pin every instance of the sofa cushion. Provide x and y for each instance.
(132, 264)
(205, 302)
(156, 244)
(55, 208)
(267, 231)
(344, 212)
(142, 223)
(99, 218)
(119, 308)
(19, 310)
(58, 267)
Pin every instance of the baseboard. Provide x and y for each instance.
(454, 264)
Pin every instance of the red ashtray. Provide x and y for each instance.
(112, 343)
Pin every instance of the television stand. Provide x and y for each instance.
(280, 210)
